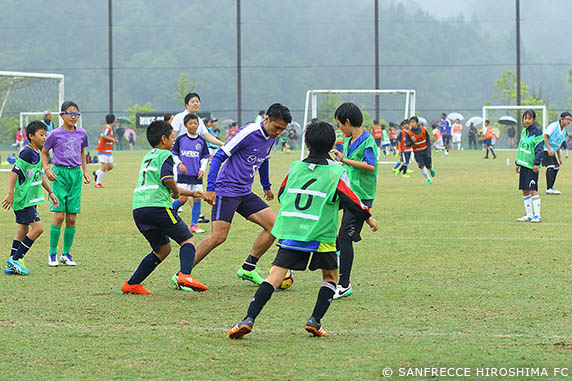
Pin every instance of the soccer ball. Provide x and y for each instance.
(288, 280)
(288, 151)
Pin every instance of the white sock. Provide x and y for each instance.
(424, 171)
(458, 146)
(528, 205)
(99, 173)
(536, 205)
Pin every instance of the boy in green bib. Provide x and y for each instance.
(310, 197)
(359, 159)
(24, 193)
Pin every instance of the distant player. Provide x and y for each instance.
(154, 217)
(554, 137)
(104, 150)
(445, 127)
(24, 193)
(229, 187)
(457, 133)
(359, 159)
(528, 158)
(420, 141)
(310, 197)
(70, 168)
(191, 155)
(438, 140)
(488, 136)
(385, 142)
(404, 151)
(392, 137)
(377, 134)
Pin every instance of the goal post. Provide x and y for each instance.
(311, 104)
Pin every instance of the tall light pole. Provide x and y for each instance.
(376, 57)
(518, 62)
(110, 36)
(238, 67)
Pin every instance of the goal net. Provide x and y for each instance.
(504, 120)
(28, 93)
(395, 110)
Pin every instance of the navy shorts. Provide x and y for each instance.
(27, 215)
(405, 157)
(528, 180)
(446, 139)
(378, 142)
(298, 260)
(225, 206)
(422, 159)
(351, 226)
(157, 224)
(488, 142)
(550, 161)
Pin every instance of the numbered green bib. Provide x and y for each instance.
(150, 190)
(525, 153)
(307, 210)
(363, 183)
(28, 193)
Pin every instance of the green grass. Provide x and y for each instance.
(449, 280)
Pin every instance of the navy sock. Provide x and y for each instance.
(262, 295)
(345, 246)
(493, 152)
(176, 205)
(15, 245)
(23, 248)
(187, 257)
(325, 297)
(145, 268)
(250, 263)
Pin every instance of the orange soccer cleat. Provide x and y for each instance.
(186, 280)
(134, 289)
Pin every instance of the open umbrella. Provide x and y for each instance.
(228, 121)
(507, 120)
(475, 120)
(422, 120)
(455, 115)
(124, 119)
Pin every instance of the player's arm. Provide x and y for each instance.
(45, 168)
(263, 172)
(9, 199)
(548, 148)
(47, 186)
(558, 153)
(362, 165)
(408, 140)
(168, 177)
(219, 157)
(211, 139)
(351, 202)
(86, 178)
(282, 186)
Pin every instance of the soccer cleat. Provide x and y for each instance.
(66, 259)
(186, 280)
(429, 181)
(524, 218)
(342, 292)
(315, 328)
(196, 229)
(94, 178)
(536, 220)
(397, 172)
(18, 266)
(203, 220)
(176, 285)
(8, 270)
(241, 328)
(53, 260)
(137, 289)
(553, 191)
(549, 191)
(98, 186)
(406, 175)
(252, 276)
(432, 171)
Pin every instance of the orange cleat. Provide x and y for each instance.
(241, 328)
(186, 280)
(98, 186)
(315, 328)
(134, 289)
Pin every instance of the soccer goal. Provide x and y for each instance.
(499, 118)
(23, 95)
(311, 104)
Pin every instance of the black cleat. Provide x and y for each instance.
(241, 328)
(203, 220)
(315, 328)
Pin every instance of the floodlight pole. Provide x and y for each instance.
(110, 38)
(238, 67)
(376, 58)
(518, 63)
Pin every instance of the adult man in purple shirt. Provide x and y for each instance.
(230, 189)
(445, 127)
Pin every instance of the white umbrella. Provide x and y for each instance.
(507, 120)
(455, 115)
(422, 120)
(475, 120)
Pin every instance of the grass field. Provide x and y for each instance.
(451, 279)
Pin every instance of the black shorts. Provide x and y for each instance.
(446, 139)
(27, 215)
(528, 180)
(423, 159)
(550, 161)
(351, 226)
(157, 224)
(225, 206)
(405, 157)
(298, 260)
(393, 142)
(378, 141)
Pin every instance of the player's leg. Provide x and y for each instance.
(73, 207)
(326, 262)
(429, 163)
(69, 235)
(218, 235)
(21, 231)
(196, 211)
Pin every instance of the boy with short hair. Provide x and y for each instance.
(420, 141)
(359, 159)
(191, 155)
(310, 197)
(24, 193)
(70, 168)
(153, 214)
(404, 152)
(104, 150)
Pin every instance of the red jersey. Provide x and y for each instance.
(489, 134)
(457, 128)
(105, 146)
(437, 134)
(391, 133)
(401, 141)
(420, 142)
(376, 132)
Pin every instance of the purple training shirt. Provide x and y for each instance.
(66, 146)
(249, 147)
